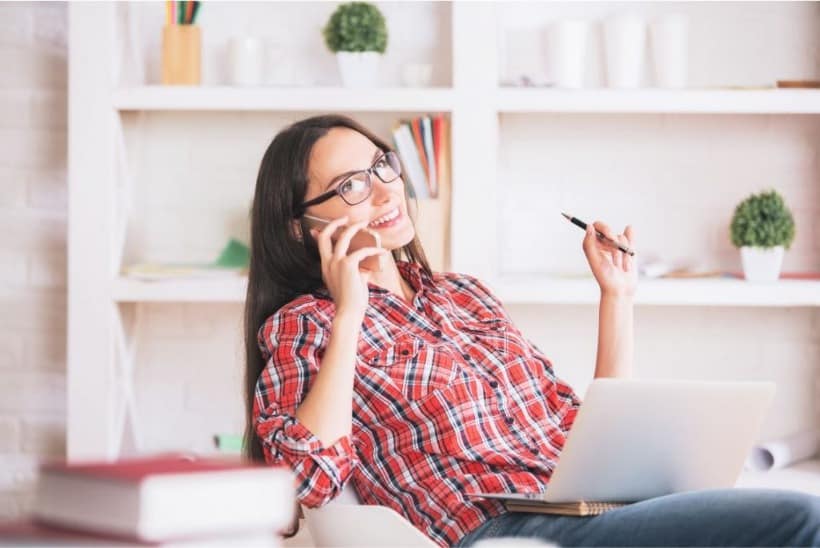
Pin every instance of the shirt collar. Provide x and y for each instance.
(412, 272)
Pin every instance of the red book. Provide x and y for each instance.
(165, 497)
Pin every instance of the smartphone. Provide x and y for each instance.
(363, 238)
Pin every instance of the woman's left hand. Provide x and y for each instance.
(615, 271)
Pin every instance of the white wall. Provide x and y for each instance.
(32, 243)
(195, 176)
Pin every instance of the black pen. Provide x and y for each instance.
(582, 224)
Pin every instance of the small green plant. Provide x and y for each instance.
(356, 26)
(762, 220)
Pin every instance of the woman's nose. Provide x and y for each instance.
(381, 190)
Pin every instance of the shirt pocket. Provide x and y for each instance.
(490, 332)
(415, 368)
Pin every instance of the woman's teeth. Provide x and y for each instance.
(385, 218)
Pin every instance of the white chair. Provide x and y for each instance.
(345, 521)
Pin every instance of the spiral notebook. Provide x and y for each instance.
(534, 502)
(580, 508)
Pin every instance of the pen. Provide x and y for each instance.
(582, 224)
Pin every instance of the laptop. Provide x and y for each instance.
(637, 439)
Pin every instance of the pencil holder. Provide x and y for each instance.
(181, 52)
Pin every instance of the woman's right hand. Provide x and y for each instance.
(344, 280)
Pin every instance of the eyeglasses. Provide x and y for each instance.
(357, 187)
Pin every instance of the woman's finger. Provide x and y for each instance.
(324, 242)
(590, 245)
(343, 242)
(604, 229)
(629, 260)
(617, 254)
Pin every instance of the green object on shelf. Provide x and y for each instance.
(228, 443)
(234, 255)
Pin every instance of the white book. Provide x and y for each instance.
(427, 138)
(410, 158)
(166, 498)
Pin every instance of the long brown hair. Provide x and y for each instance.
(282, 265)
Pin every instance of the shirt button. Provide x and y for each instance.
(534, 450)
(437, 333)
(405, 352)
(494, 384)
(509, 420)
(465, 356)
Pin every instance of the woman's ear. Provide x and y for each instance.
(296, 229)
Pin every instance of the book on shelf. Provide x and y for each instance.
(424, 147)
(403, 139)
(427, 142)
(579, 508)
(165, 497)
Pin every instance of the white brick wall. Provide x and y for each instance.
(32, 244)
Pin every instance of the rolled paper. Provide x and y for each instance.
(782, 452)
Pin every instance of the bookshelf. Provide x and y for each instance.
(102, 304)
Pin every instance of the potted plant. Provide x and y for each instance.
(761, 227)
(356, 32)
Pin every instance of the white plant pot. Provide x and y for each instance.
(761, 264)
(359, 68)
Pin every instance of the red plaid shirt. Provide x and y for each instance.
(449, 397)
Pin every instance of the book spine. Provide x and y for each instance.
(407, 150)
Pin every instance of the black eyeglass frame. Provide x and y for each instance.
(368, 173)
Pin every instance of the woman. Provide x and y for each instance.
(416, 386)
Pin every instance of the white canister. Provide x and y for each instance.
(625, 49)
(566, 45)
(669, 43)
(246, 61)
(520, 55)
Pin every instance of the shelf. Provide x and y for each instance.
(694, 292)
(227, 98)
(802, 476)
(524, 290)
(231, 290)
(690, 101)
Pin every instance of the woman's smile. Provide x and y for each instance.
(387, 220)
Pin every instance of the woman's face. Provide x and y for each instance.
(343, 150)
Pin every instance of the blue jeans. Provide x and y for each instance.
(713, 517)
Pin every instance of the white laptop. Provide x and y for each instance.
(637, 439)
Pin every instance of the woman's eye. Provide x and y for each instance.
(356, 185)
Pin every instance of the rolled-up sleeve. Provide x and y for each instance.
(569, 401)
(295, 343)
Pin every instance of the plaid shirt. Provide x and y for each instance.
(449, 397)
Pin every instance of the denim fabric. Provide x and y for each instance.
(714, 517)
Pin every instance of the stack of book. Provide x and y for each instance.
(423, 144)
(167, 498)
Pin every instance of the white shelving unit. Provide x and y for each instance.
(104, 307)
